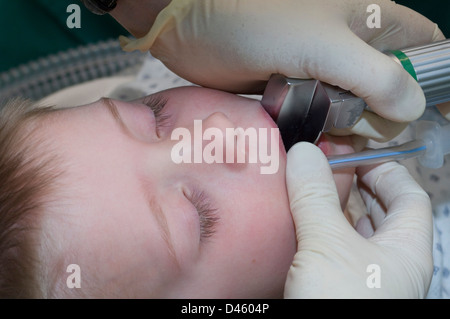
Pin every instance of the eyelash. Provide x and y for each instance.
(207, 214)
(157, 104)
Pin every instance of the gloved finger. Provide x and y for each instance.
(364, 227)
(312, 193)
(375, 208)
(438, 35)
(402, 27)
(386, 87)
(444, 108)
(358, 142)
(374, 127)
(407, 204)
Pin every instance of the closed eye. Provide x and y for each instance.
(157, 104)
(208, 216)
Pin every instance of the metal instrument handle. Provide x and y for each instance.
(430, 66)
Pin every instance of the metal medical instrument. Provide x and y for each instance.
(303, 109)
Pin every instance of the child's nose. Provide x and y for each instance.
(220, 126)
(219, 121)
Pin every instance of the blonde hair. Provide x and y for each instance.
(27, 178)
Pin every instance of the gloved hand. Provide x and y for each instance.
(236, 45)
(333, 259)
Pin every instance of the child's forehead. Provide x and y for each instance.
(61, 118)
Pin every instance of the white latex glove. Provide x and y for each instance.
(333, 259)
(235, 45)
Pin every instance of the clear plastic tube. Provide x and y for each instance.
(374, 156)
(430, 147)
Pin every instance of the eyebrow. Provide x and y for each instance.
(114, 111)
(154, 207)
(164, 227)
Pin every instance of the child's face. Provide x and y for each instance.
(144, 226)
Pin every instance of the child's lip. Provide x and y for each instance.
(274, 108)
(335, 145)
(269, 118)
(324, 144)
(270, 122)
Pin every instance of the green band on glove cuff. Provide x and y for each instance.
(406, 62)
